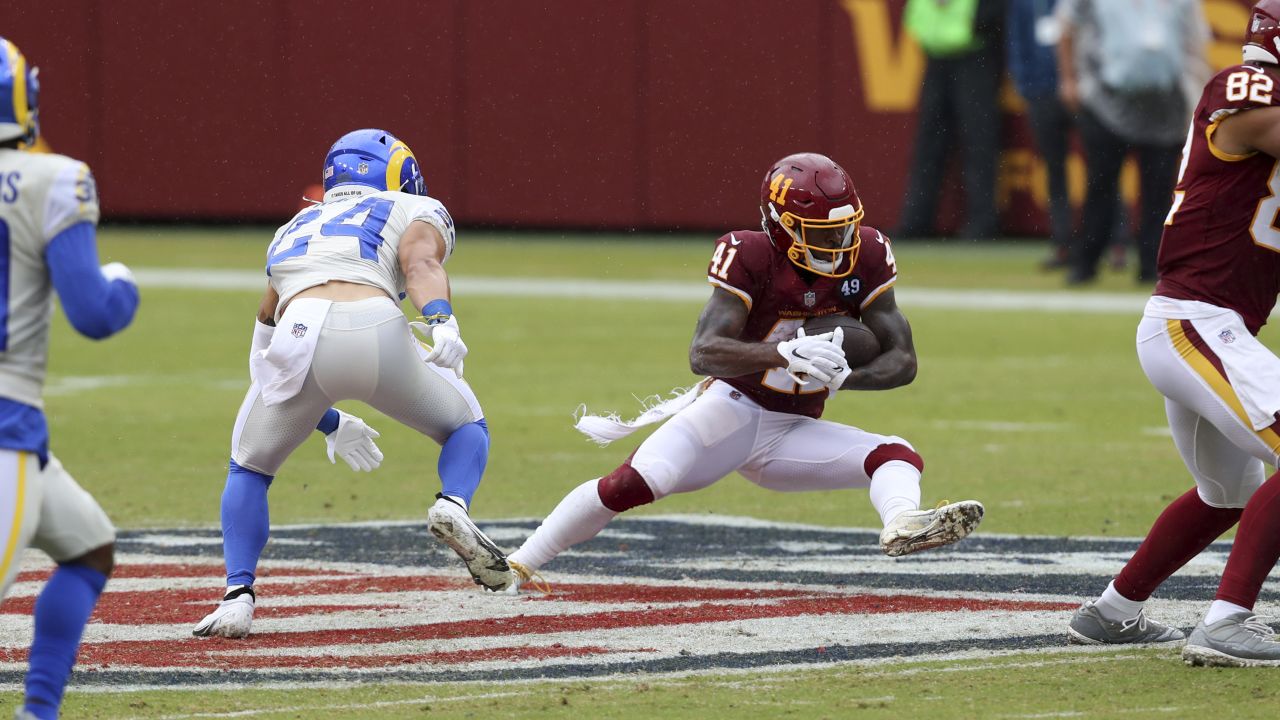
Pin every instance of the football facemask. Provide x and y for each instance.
(823, 246)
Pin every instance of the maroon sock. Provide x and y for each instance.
(1184, 529)
(1257, 546)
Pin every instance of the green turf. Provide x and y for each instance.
(173, 383)
(1045, 417)
(1133, 684)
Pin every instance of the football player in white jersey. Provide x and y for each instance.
(330, 328)
(48, 216)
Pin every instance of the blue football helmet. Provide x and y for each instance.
(373, 158)
(19, 91)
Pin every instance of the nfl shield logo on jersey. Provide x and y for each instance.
(299, 330)
(810, 299)
(1227, 337)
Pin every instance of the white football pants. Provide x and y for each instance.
(365, 352)
(1210, 427)
(724, 430)
(46, 509)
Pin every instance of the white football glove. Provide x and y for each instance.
(353, 442)
(812, 357)
(837, 380)
(118, 271)
(447, 348)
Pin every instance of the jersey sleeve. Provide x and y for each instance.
(732, 267)
(877, 267)
(1237, 89)
(72, 199)
(432, 211)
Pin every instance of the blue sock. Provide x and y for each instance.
(462, 460)
(245, 522)
(61, 612)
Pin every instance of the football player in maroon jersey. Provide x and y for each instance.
(1219, 272)
(758, 413)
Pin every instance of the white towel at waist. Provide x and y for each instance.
(282, 367)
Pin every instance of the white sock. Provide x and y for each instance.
(460, 501)
(1220, 609)
(579, 517)
(1115, 607)
(895, 488)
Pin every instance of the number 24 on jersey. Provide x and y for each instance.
(367, 230)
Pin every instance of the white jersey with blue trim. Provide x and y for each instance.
(353, 238)
(40, 196)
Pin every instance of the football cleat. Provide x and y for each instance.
(233, 616)
(1089, 627)
(916, 530)
(488, 566)
(1238, 640)
(522, 576)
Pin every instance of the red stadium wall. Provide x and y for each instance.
(631, 113)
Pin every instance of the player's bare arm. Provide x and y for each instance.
(267, 308)
(896, 364)
(1250, 131)
(716, 350)
(422, 251)
(421, 255)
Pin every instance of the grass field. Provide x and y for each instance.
(1044, 416)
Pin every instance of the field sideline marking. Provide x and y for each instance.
(531, 687)
(965, 661)
(342, 706)
(657, 290)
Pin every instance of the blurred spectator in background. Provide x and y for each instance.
(1130, 71)
(961, 40)
(1031, 34)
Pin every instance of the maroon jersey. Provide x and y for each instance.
(780, 296)
(1221, 242)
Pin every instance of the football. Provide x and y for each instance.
(860, 344)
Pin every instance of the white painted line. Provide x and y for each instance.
(426, 699)
(999, 427)
(778, 675)
(1093, 303)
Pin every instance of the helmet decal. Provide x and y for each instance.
(1262, 38)
(402, 170)
(812, 213)
(371, 160)
(778, 188)
(19, 96)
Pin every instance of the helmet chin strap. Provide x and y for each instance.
(819, 265)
